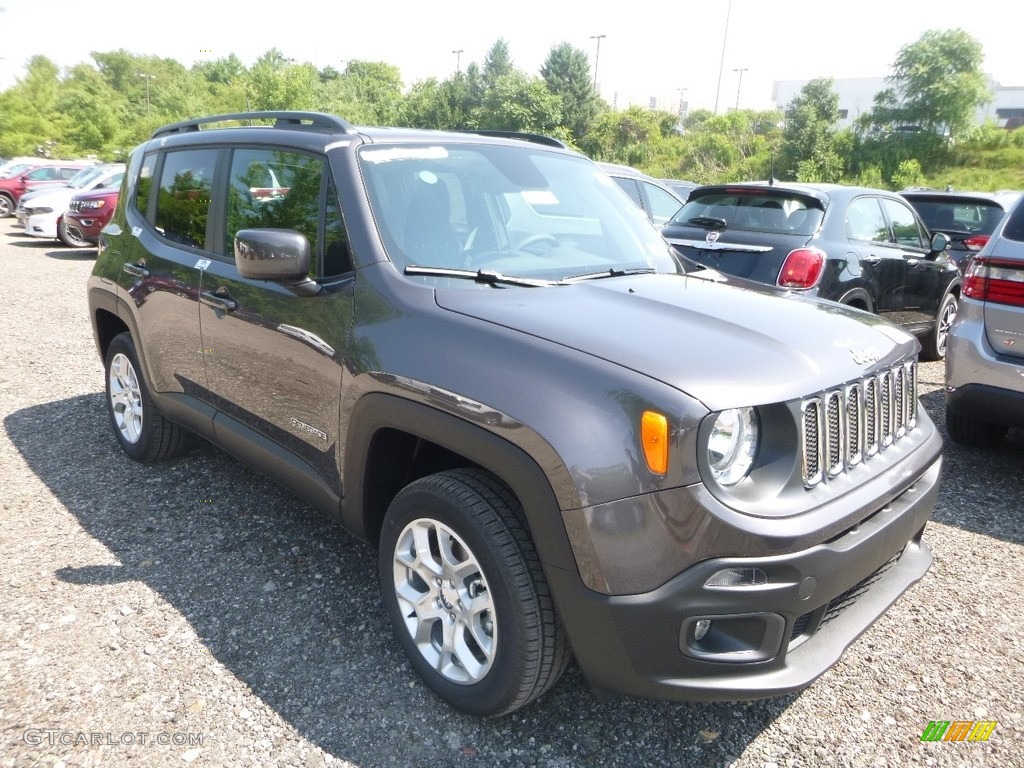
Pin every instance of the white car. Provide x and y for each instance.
(42, 212)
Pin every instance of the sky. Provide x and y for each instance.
(654, 49)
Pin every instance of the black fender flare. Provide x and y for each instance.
(375, 411)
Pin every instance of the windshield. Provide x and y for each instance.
(519, 211)
(759, 210)
(85, 177)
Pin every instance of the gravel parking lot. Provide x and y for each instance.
(196, 613)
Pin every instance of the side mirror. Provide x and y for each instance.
(271, 254)
(940, 242)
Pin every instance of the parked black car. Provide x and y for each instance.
(478, 355)
(967, 218)
(864, 248)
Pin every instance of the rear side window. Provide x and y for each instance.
(1014, 229)
(183, 196)
(69, 173)
(865, 222)
(663, 205)
(756, 210)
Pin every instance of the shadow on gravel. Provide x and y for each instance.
(289, 603)
(73, 254)
(980, 486)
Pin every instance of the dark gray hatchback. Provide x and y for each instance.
(481, 357)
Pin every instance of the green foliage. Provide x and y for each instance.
(908, 175)
(566, 72)
(811, 148)
(103, 108)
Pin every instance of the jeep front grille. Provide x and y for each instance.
(845, 426)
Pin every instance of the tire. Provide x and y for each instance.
(67, 238)
(466, 593)
(933, 346)
(6, 206)
(144, 434)
(977, 434)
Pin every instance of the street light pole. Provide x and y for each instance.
(458, 60)
(739, 85)
(597, 56)
(721, 64)
(148, 78)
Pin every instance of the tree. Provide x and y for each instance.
(567, 75)
(275, 82)
(936, 85)
(497, 63)
(517, 102)
(810, 149)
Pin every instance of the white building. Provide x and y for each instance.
(857, 96)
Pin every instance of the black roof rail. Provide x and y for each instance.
(301, 120)
(536, 138)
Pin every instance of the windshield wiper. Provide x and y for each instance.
(480, 276)
(708, 222)
(613, 272)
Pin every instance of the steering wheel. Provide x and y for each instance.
(551, 240)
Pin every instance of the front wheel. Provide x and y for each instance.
(466, 593)
(934, 344)
(6, 206)
(69, 238)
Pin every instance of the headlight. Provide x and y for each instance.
(91, 204)
(732, 445)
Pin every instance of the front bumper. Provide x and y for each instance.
(765, 639)
(42, 225)
(85, 227)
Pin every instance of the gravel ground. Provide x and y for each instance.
(196, 613)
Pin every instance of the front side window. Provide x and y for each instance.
(46, 173)
(905, 230)
(272, 188)
(183, 196)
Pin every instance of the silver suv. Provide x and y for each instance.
(985, 347)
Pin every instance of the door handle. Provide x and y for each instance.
(871, 259)
(139, 270)
(218, 301)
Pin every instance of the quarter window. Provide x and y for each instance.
(183, 197)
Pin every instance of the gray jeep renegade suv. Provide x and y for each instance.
(479, 355)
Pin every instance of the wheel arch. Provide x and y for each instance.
(858, 298)
(393, 441)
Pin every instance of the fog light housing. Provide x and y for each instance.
(700, 629)
(738, 577)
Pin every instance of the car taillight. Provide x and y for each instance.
(976, 242)
(996, 280)
(802, 268)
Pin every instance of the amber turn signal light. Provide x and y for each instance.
(654, 436)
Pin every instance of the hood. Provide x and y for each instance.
(721, 344)
(54, 197)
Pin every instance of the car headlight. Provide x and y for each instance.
(732, 445)
(91, 204)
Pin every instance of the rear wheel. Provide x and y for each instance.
(141, 429)
(933, 346)
(466, 593)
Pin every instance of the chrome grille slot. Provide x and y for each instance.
(834, 440)
(854, 424)
(811, 441)
(845, 427)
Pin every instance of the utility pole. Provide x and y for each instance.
(739, 85)
(721, 64)
(458, 60)
(597, 56)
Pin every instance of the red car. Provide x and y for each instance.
(89, 213)
(12, 188)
